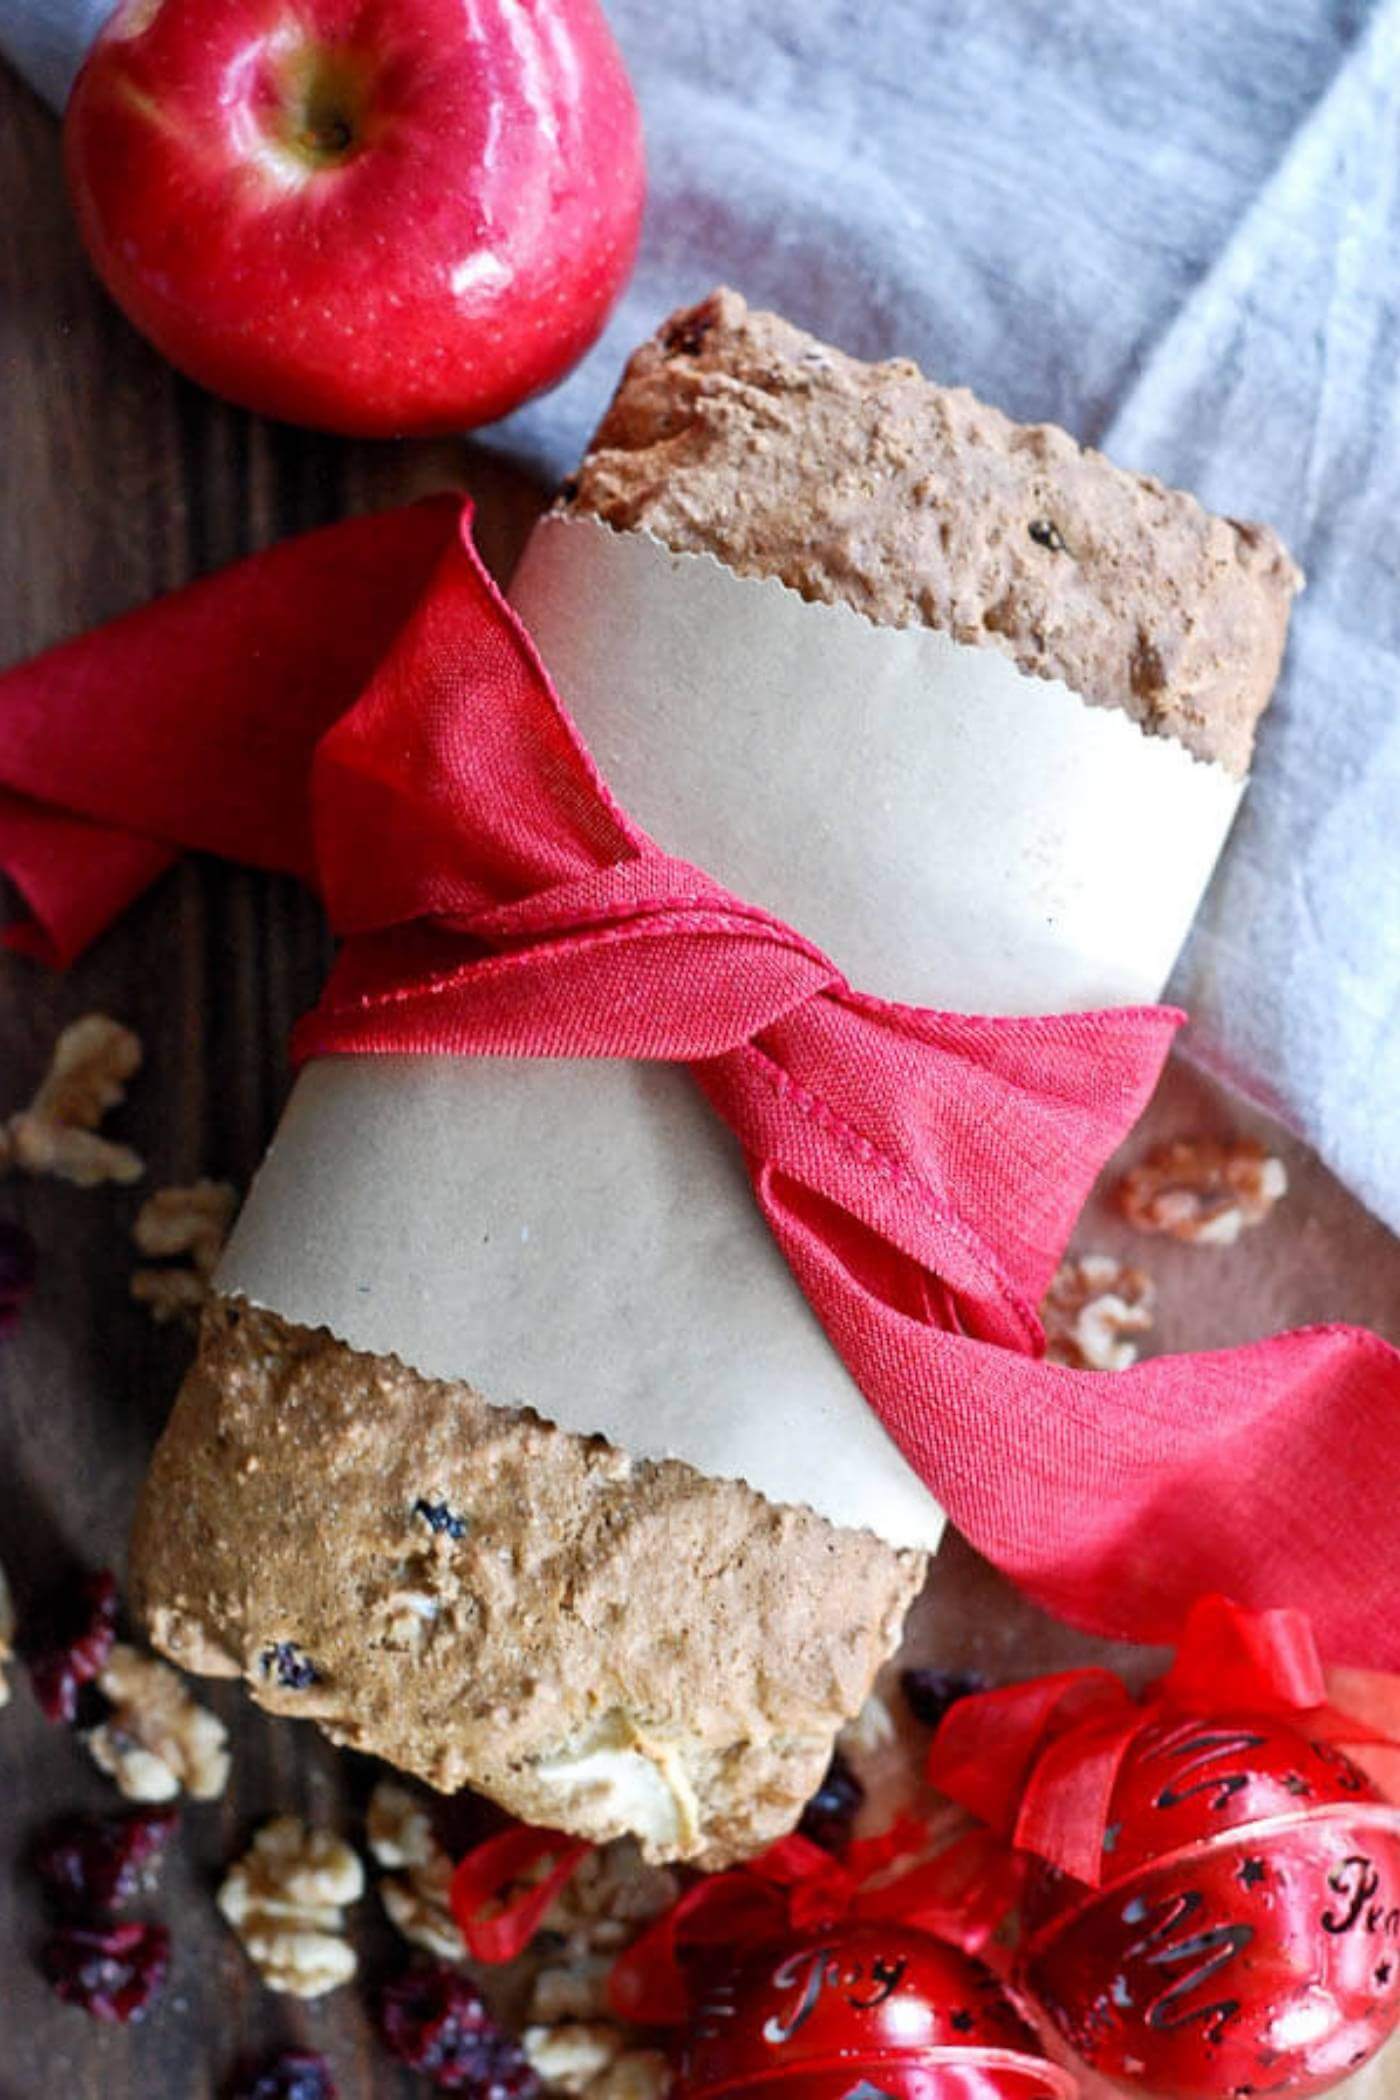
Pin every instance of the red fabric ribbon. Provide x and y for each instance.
(1038, 1762)
(960, 1890)
(920, 1170)
(191, 723)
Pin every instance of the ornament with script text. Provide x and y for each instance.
(1212, 1903)
(860, 2011)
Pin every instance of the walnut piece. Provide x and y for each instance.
(399, 1828)
(1092, 1304)
(591, 2059)
(1202, 1190)
(638, 2074)
(568, 2058)
(872, 1730)
(409, 1619)
(608, 1902)
(400, 1835)
(576, 1989)
(157, 1740)
(57, 1134)
(169, 1294)
(192, 1222)
(614, 1893)
(286, 1901)
(7, 1635)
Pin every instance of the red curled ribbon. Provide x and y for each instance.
(503, 1888)
(1037, 1762)
(921, 1171)
(959, 1890)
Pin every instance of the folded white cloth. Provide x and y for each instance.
(1175, 230)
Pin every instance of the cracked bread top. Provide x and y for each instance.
(734, 433)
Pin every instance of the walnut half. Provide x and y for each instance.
(157, 1740)
(1205, 1191)
(286, 1901)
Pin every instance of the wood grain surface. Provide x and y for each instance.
(118, 480)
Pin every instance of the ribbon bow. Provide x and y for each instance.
(961, 1890)
(921, 1171)
(1038, 1762)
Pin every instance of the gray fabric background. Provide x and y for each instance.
(1174, 229)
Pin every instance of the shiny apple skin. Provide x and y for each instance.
(380, 217)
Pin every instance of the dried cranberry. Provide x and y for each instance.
(69, 1640)
(828, 1816)
(289, 1665)
(97, 1863)
(928, 1694)
(19, 1265)
(432, 2019)
(111, 1971)
(294, 2075)
(439, 1517)
(1046, 533)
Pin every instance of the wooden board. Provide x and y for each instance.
(118, 480)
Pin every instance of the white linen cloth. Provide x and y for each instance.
(1174, 229)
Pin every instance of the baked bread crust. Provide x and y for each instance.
(454, 1587)
(734, 433)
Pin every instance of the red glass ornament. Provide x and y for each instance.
(861, 2011)
(1245, 1936)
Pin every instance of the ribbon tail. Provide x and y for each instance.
(1115, 1498)
(1362, 1717)
(72, 877)
(1064, 1811)
(1366, 1702)
(190, 724)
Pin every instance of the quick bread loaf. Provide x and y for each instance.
(601, 1643)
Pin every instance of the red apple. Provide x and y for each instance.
(375, 216)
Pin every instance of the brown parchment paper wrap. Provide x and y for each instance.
(952, 831)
